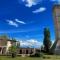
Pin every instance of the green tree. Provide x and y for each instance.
(47, 42)
(13, 50)
(18, 44)
(4, 36)
(13, 39)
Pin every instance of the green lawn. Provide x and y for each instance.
(46, 57)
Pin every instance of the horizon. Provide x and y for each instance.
(25, 20)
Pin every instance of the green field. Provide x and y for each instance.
(46, 57)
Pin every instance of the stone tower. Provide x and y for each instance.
(56, 15)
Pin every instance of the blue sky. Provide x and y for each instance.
(26, 19)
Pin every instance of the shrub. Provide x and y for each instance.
(13, 51)
(37, 55)
(13, 55)
(44, 57)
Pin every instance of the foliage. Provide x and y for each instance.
(4, 39)
(18, 44)
(37, 54)
(13, 51)
(14, 39)
(47, 42)
(4, 36)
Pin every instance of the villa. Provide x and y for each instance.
(5, 44)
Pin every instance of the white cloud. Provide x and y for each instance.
(53, 41)
(30, 3)
(30, 43)
(15, 22)
(22, 22)
(10, 22)
(41, 9)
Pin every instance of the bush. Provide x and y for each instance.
(37, 55)
(44, 57)
(41, 54)
(12, 51)
(13, 55)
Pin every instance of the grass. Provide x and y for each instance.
(51, 57)
(46, 57)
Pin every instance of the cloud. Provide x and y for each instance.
(30, 3)
(22, 22)
(15, 22)
(30, 43)
(53, 41)
(10, 22)
(41, 9)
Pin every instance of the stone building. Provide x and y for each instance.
(28, 51)
(5, 44)
(56, 15)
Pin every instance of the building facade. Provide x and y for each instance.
(5, 44)
(28, 51)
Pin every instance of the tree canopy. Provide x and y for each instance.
(47, 41)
